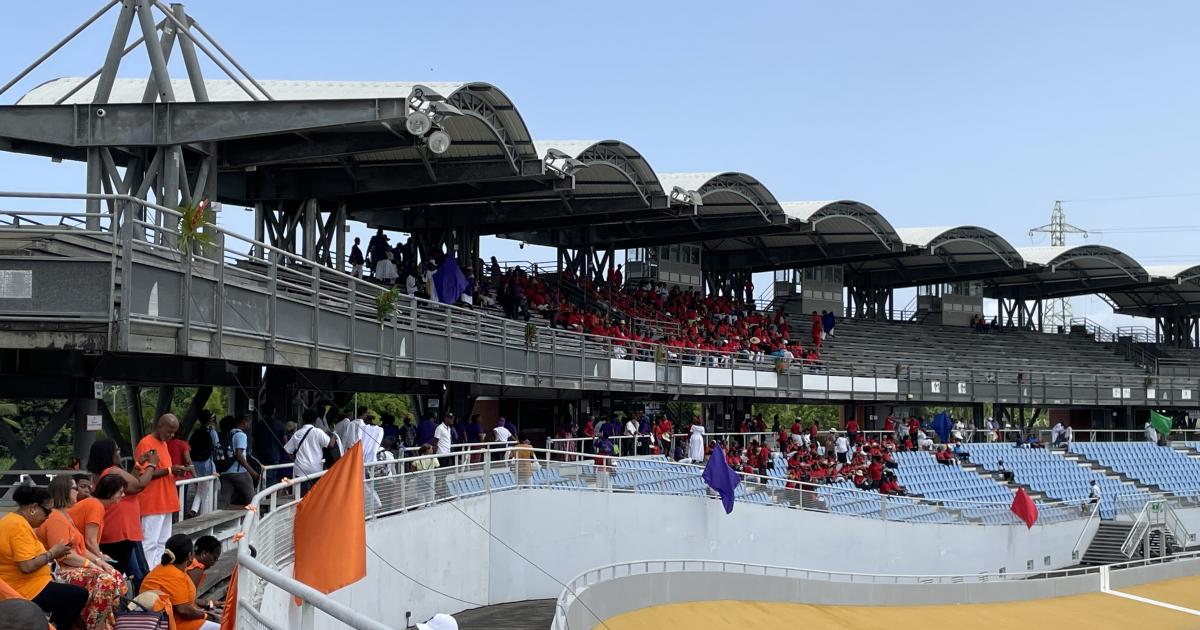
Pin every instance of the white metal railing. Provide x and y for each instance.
(1141, 525)
(396, 487)
(288, 277)
(581, 582)
(1180, 532)
(1083, 530)
(205, 487)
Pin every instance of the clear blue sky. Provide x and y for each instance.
(935, 113)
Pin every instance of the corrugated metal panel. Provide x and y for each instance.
(131, 90)
(921, 236)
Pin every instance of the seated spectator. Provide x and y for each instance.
(944, 456)
(960, 451)
(890, 486)
(1005, 473)
(25, 562)
(177, 591)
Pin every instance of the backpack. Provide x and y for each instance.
(223, 452)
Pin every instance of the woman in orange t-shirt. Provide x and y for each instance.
(121, 535)
(88, 514)
(171, 580)
(25, 562)
(81, 567)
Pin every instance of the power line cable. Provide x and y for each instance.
(1130, 198)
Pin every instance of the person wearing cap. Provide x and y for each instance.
(440, 621)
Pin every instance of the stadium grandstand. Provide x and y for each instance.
(584, 442)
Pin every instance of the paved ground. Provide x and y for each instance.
(529, 615)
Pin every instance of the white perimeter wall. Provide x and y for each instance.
(566, 533)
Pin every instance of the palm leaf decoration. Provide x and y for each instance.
(385, 305)
(191, 227)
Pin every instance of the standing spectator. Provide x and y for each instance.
(1095, 492)
(827, 323)
(121, 534)
(307, 449)
(841, 446)
(501, 432)
(423, 481)
(523, 457)
(377, 248)
(237, 482)
(1151, 434)
(25, 562)
(425, 429)
(852, 431)
(159, 499)
(356, 259)
(181, 454)
(408, 432)
(268, 436)
(696, 441)
(390, 429)
(203, 443)
(385, 270)
(443, 436)
(473, 431)
(1055, 432)
(817, 329)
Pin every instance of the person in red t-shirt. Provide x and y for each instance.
(852, 431)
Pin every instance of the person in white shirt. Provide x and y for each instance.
(1056, 431)
(385, 270)
(501, 432)
(443, 436)
(924, 443)
(346, 431)
(306, 447)
(410, 284)
(841, 447)
(1151, 434)
(629, 443)
(1095, 492)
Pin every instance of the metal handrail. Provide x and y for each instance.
(312, 275)
(1083, 530)
(1140, 525)
(592, 576)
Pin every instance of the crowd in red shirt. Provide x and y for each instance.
(682, 322)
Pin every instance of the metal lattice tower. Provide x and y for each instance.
(1058, 312)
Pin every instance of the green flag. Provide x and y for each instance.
(1161, 423)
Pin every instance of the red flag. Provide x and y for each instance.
(330, 530)
(1024, 508)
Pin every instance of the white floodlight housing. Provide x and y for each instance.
(562, 164)
(418, 123)
(439, 142)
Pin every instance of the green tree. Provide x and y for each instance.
(398, 405)
(826, 416)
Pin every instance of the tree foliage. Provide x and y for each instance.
(826, 416)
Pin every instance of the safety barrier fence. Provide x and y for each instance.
(396, 487)
(591, 577)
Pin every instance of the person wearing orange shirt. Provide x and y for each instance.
(159, 499)
(25, 562)
(88, 513)
(208, 552)
(178, 592)
(120, 536)
(80, 567)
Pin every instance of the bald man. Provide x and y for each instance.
(159, 499)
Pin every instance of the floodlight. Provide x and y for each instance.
(439, 142)
(562, 164)
(690, 197)
(418, 123)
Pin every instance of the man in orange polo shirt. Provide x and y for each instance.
(159, 499)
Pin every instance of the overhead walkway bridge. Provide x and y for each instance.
(121, 284)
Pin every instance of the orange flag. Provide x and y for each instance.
(229, 614)
(330, 529)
